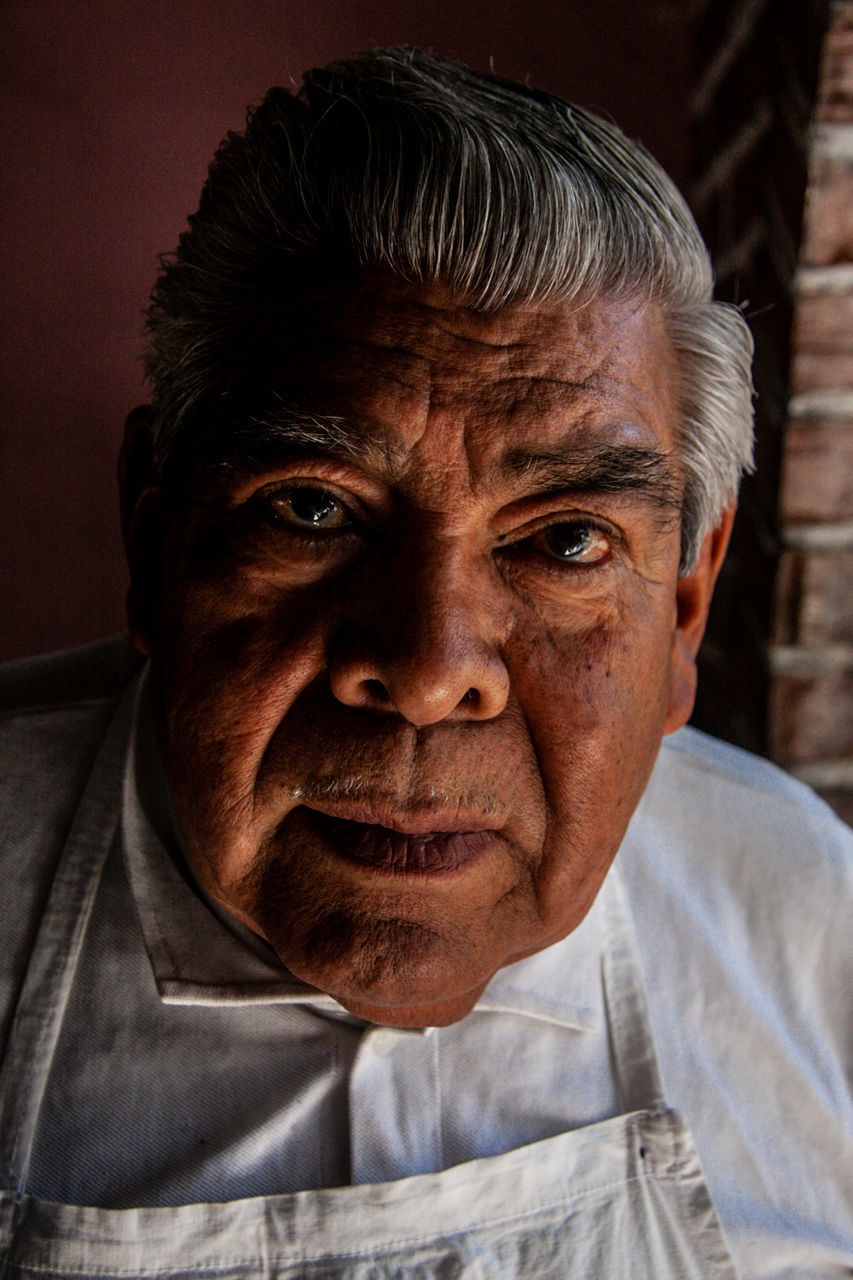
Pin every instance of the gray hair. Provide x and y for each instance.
(399, 159)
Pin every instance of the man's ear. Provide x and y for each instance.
(692, 602)
(141, 524)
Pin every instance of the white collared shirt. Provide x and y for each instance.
(341, 1101)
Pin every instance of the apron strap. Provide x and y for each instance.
(634, 1054)
(49, 976)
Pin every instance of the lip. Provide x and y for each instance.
(421, 822)
(431, 849)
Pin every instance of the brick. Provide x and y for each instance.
(824, 321)
(814, 368)
(836, 97)
(811, 716)
(817, 472)
(814, 598)
(828, 225)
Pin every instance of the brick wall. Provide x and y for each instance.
(811, 686)
(751, 110)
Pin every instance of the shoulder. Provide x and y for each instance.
(741, 887)
(753, 866)
(51, 682)
(54, 712)
(750, 862)
(743, 815)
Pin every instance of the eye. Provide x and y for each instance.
(305, 506)
(574, 542)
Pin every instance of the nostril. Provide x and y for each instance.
(377, 691)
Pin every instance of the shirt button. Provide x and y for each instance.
(382, 1042)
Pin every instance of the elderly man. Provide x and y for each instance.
(317, 959)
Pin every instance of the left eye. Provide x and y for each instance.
(574, 542)
(307, 507)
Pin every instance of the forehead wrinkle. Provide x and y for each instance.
(493, 344)
(327, 358)
(516, 393)
(437, 327)
(414, 356)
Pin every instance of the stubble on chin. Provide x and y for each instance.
(323, 933)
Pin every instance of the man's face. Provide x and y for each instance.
(413, 662)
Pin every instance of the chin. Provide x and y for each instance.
(440, 1013)
(393, 972)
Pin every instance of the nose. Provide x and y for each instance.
(428, 652)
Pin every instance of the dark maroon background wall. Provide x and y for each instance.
(112, 109)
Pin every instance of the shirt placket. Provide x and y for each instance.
(395, 1105)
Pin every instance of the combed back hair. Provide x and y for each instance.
(416, 164)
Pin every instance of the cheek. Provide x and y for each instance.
(597, 673)
(595, 699)
(242, 650)
(226, 671)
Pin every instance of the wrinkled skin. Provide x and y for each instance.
(427, 632)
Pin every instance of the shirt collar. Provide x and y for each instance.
(201, 955)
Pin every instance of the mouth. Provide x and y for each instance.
(415, 850)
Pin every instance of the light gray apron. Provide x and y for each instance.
(624, 1199)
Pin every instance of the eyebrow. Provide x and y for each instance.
(295, 430)
(604, 469)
